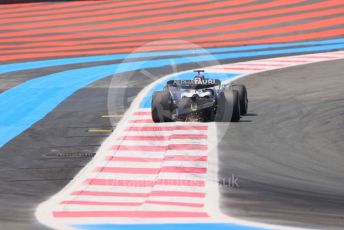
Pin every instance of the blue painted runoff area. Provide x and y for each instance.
(165, 227)
(24, 105)
(147, 100)
(6, 68)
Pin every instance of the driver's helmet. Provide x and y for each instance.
(199, 77)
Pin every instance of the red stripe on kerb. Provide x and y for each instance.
(157, 159)
(188, 136)
(164, 128)
(83, 202)
(185, 204)
(142, 113)
(166, 169)
(177, 194)
(138, 148)
(134, 159)
(128, 170)
(144, 138)
(171, 169)
(128, 214)
(260, 64)
(164, 138)
(160, 148)
(185, 158)
(141, 121)
(241, 68)
(153, 193)
(145, 183)
(98, 203)
(187, 147)
(287, 61)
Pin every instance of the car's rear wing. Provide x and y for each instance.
(196, 83)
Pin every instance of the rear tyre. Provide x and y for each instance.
(236, 107)
(242, 97)
(161, 107)
(224, 107)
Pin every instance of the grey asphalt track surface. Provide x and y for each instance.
(42, 160)
(288, 152)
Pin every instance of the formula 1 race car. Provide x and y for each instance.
(199, 99)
